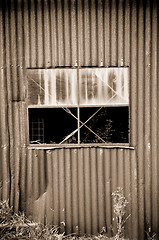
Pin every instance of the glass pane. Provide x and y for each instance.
(109, 125)
(35, 87)
(36, 127)
(57, 125)
(103, 86)
(52, 87)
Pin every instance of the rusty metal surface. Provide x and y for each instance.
(86, 32)
(75, 184)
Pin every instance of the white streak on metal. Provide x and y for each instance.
(52, 78)
(46, 87)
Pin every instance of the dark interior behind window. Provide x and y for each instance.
(57, 125)
(111, 124)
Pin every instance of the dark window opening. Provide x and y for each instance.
(57, 125)
(110, 124)
(97, 125)
(37, 130)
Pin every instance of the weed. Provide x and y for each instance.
(119, 205)
(150, 235)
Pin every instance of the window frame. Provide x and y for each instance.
(78, 106)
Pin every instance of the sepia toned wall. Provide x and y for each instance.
(74, 185)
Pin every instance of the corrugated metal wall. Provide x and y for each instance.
(76, 184)
(79, 26)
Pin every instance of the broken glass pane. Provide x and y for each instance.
(111, 124)
(58, 124)
(35, 87)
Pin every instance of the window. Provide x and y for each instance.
(78, 106)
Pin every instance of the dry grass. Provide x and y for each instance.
(17, 226)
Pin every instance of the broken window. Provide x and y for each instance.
(70, 107)
(57, 125)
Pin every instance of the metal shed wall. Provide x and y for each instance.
(75, 185)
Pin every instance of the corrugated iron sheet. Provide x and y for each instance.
(94, 31)
(75, 185)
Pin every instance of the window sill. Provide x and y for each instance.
(60, 146)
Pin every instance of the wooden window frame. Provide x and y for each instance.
(78, 106)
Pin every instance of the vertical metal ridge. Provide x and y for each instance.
(100, 188)
(107, 32)
(67, 34)
(127, 32)
(13, 50)
(47, 42)
(4, 132)
(53, 29)
(80, 33)
(68, 190)
(87, 196)
(108, 191)
(133, 73)
(14, 159)
(113, 37)
(127, 190)
(73, 32)
(86, 32)
(39, 32)
(56, 204)
(94, 191)
(60, 39)
(147, 109)
(36, 179)
(157, 115)
(114, 182)
(23, 180)
(140, 120)
(134, 196)
(81, 190)
(16, 150)
(75, 197)
(61, 186)
(100, 33)
(93, 29)
(42, 171)
(26, 35)
(5, 175)
(32, 33)
(120, 170)
(4, 139)
(114, 167)
(20, 49)
(29, 184)
(49, 197)
(120, 33)
(154, 117)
